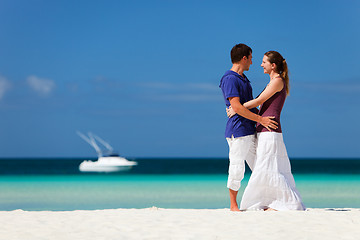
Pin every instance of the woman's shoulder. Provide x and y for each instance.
(277, 83)
(278, 80)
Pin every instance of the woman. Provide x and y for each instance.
(271, 185)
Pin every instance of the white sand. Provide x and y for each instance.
(154, 223)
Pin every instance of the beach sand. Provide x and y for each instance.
(158, 223)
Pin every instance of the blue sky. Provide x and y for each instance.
(144, 74)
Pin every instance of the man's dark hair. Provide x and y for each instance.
(239, 51)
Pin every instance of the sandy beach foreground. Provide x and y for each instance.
(157, 223)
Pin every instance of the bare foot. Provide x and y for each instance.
(270, 209)
(235, 209)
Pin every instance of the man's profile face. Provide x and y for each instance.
(248, 62)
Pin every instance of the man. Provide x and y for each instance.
(240, 129)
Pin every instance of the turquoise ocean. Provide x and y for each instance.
(58, 185)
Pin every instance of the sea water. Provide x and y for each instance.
(167, 183)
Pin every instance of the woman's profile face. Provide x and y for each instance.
(266, 65)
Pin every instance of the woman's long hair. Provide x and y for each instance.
(281, 67)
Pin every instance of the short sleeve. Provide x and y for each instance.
(230, 87)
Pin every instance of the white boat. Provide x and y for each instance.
(109, 162)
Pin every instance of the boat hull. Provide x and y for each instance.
(107, 164)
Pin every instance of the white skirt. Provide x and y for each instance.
(271, 184)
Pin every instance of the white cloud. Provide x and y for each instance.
(180, 86)
(189, 97)
(4, 86)
(189, 92)
(344, 87)
(158, 85)
(204, 86)
(41, 85)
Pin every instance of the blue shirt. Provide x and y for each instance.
(234, 85)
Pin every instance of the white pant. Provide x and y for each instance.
(241, 149)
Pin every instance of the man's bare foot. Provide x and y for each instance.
(235, 209)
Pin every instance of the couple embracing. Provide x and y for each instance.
(255, 136)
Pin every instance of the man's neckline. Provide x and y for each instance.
(243, 77)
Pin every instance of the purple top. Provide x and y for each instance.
(272, 107)
(234, 85)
